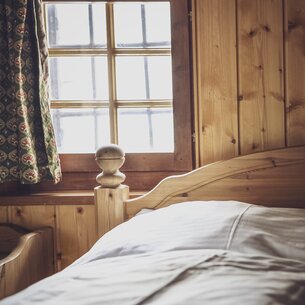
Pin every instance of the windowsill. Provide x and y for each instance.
(54, 198)
(49, 198)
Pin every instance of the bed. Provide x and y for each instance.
(232, 232)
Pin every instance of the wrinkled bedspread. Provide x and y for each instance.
(187, 277)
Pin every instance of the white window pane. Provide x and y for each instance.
(79, 78)
(158, 24)
(81, 130)
(146, 25)
(146, 130)
(143, 77)
(160, 77)
(76, 25)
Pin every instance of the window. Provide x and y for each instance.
(119, 73)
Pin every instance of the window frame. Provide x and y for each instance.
(139, 165)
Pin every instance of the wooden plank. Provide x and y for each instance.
(295, 71)
(49, 198)
(76, 231)
(217, 79)
(261, 87)
(110, 207)
(3, 214)
(32, 217)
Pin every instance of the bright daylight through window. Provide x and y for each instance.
(111, 75)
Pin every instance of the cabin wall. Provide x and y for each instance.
(249, 76)
(74, 227)
(249, 89)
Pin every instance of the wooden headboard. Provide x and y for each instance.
(270, 178)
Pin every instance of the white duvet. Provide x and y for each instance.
(192, 253)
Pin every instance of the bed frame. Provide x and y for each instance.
(272, 178)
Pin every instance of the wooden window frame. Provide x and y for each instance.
(144, 170)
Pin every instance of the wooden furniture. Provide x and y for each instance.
(270, 178)
(25, 257)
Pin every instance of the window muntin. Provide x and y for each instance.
(143, 170)
(119, 73)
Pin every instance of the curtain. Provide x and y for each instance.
(28, 152)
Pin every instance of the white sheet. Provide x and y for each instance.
(179, 277)
(191, 253)
(228, 225)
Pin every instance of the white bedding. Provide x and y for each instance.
(191, 253)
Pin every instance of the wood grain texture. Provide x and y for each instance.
(261, 84)
(295, 70)
(110, 207)
(271, 178)
(76, 232)
(3, 214)
(32, 217)
(217, 79)
(28, 261)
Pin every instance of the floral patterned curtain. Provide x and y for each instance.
(28, 152)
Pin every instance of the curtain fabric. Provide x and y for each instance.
(28, 152)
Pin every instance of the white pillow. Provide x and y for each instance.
(189, 225)
(228, 225)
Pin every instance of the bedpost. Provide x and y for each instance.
(110, 195)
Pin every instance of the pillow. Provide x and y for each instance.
(227, 225)
(183, 226)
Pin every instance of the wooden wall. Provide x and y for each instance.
(74, 227)
(249, 72)
(249, 76)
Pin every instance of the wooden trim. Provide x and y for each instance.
(182, 158)
(49, 198)
(134, 162)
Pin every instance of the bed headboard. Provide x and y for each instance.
(269, 178)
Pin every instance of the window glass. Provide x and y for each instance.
(81, 130)
(146, 129)
(67, 19)
(146, 25)
(143, 77)
(79, 74)
(79, 78)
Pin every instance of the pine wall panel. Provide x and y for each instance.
(217, 79)
(295, 70)
(260, 81)
(249, 68)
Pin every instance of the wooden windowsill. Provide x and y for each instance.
(54, 198)
(49, 198)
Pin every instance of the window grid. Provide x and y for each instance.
(111, 51)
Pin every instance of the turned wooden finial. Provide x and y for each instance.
(110, 159)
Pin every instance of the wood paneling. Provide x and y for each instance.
(3, 214)
(295, 70)
(76, 231)
(261, 85)
(217, 79)
(32, 217)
